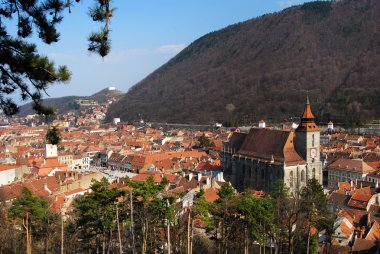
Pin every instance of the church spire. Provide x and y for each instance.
(307, 115)
(307, 119)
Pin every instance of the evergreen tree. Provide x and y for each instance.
(258, 215)
(149, 211)
(204, 141)
(314, 208)
(28, 211)
(22, 69)
(96, 215)
(53, 135)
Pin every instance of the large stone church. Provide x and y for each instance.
(262, 156)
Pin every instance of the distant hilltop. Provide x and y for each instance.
(67, 103)
(264, 67)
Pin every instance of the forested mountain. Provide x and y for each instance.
(66, 103)
(263, 68)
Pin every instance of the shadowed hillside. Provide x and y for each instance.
(262, 68)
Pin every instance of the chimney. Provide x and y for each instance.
(190, 176)
(208, 181)
(221, 177)
(199, 177)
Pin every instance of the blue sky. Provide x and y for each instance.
(145, 34)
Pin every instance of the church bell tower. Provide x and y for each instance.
(307, 143)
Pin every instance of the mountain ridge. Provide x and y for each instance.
(66, 103)
(264, 67)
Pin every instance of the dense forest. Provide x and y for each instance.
(143, 217)
(264, 67)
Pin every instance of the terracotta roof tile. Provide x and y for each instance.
(374, 233)
(211, 195)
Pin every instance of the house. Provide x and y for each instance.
(365, 246)
(343, 228)
(360, 198)
(11, 173)
(345, 170)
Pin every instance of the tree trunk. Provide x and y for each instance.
(245, 239)
(145, 232)
(132, 224)
(30, 239)
(308, 240)
(264, 240)
(104, 243)
(62, 240)
(154, 241)
(26, 226)
(290, 244)
(118, 230)
(168, 233)
(192, 237)
(188, 232)
(109, 241)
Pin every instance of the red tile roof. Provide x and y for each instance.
(211, 195)
(269, 144)
(374, 233)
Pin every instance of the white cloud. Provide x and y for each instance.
(170, 48)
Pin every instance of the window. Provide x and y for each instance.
(313, 172)
(291, 179)
(312, 140)
(302, 176)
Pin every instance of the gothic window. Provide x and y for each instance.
(314, 173)
(302, 176)
(291, 179)
(312, 140)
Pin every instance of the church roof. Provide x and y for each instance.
(235, 141)
(270, 145)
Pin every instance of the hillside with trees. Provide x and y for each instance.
(264, 67)
(67, 103)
